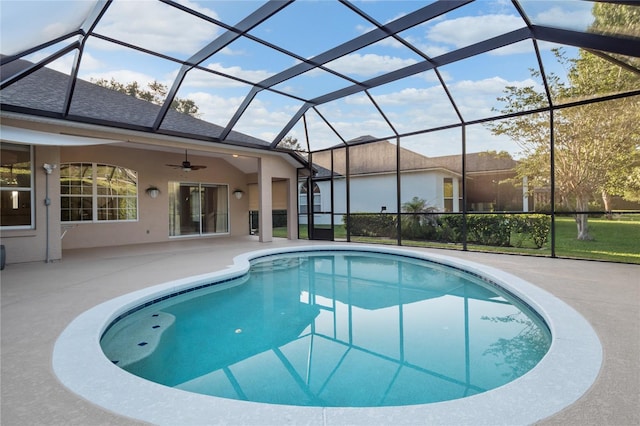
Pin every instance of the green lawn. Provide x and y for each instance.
(615, 240)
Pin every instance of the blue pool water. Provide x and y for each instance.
(341, 329)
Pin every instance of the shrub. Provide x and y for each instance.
(420, 226)
(373, 225)
(539, 228)
(484, 229)
(489, 229)
(450, 230)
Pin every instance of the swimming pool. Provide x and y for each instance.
(334, 328)
(565, 373)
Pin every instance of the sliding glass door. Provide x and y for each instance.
(198, 209)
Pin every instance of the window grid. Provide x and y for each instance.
(317, 200)
(16, 186)
(98, 193)
(448, 195)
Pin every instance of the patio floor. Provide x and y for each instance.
(39, 300)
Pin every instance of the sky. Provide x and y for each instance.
(307, 28)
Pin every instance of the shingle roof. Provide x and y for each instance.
(379, 157)
(45, 90)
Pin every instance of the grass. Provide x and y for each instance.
(614, 240)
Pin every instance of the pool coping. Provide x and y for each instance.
(565, 373)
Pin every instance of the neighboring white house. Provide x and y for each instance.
(373, 182)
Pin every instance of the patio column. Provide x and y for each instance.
(265, 201)
(292, 209)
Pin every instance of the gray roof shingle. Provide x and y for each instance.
(45, 90)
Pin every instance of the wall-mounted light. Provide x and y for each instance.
(238, 193)
(153, 192)
(48, 168)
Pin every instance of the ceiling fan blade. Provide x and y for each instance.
(186, 165)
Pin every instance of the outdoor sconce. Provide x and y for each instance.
(153, 192)
(238, 193)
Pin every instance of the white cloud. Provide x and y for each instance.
(231, 52)
(25, 24)
(431, 49)
(261, 119)
(152, 25)
(89, 63)
(253, 76)
(524, 46)
(368, 64)
(410, 96)
(64, 64)
(266, 117)
(215, 109)
(474, 88)
(477, 98)
(197, 78)
(445, 76)
(417, 108)
(579, 18)
(468, 30)
(54, 30)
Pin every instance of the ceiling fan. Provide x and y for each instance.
(186, 165)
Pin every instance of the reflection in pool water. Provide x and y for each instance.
(334, 329)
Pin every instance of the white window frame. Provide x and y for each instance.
(95, 196)
(303, 207)
(32, 224)
(173, 227)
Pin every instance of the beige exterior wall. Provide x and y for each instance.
(29, 245)
(279, 195)
(153, 214)
(274, 178)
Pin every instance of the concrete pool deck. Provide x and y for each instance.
(39, 300)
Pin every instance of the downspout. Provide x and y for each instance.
(48, 168)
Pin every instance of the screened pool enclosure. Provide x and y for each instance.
(509, 126)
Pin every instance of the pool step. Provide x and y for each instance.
(137, 340)
(277, 264)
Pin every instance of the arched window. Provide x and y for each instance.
(91, 192)
(317, 206)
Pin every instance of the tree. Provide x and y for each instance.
(524, 350)
(290, 143)
(420, 214)
(596, 145)
(156, 94)
(623, 181)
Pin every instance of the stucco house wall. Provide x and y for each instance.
(369, 193)
(373, 179)
(27, 245)
(153, 214)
